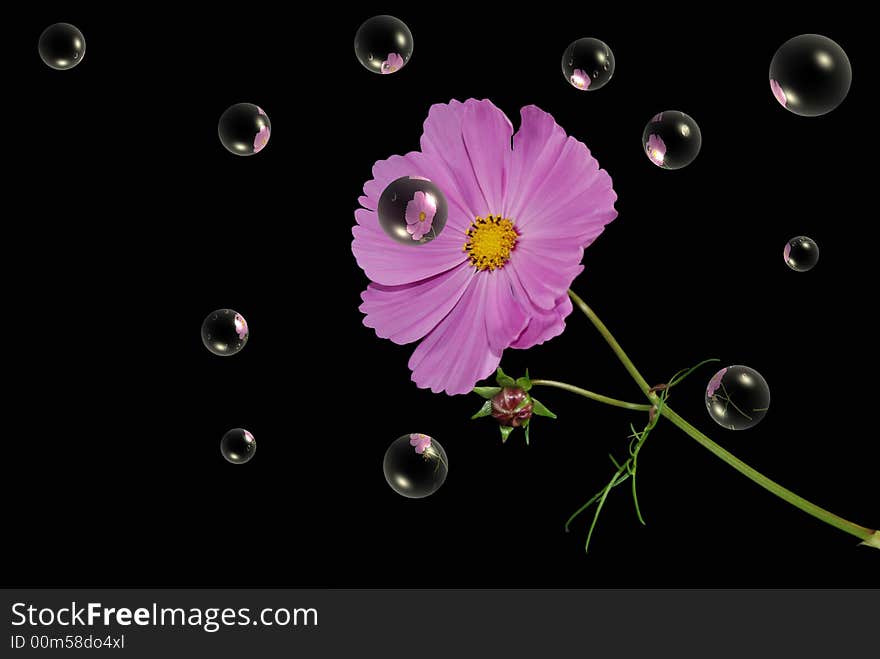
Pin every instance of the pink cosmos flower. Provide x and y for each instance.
(776, 88)
(420, 441)
(392, 63)
(241, 327)
(656, 149)
(260, 110)
(786, 252)
(580, 79)
(497, 277)
(657, 117)
(249, 438)
(261, 139)
(715, 382)
(420, 214)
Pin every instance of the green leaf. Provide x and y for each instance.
(487, 392)
(526, 426)
(504, 380)
(525, 383)
(523, 403)
(505, 432)
(486, 410)
(540, 410)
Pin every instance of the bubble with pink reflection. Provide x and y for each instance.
(671, 139)
(412, 210)
(244, 129)
(588, 64)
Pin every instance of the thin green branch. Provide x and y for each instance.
(641, 407)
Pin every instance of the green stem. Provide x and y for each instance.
(772, 486)
(592, 395)
(615, 346)
(868, 536)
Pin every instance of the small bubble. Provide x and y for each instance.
(415, 465)
(737, 397)
(224, 332)
(586, 55)
(801, 253)
(238, 446)
(383, 44)
(244, 129)
(810, 75)
(672, 139)
(61, 45)
(412, 210)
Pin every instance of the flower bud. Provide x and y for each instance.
(512, 406)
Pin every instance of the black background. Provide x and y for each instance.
(131, 223)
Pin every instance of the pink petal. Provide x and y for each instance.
(580, 79)
(536, 148)
(543, 325)
(261, 139)
(542, 275)
(656, 149)
(486, 132)
(420, 229)
(456, 354)
(241, 327)
(506, 316)
(442, 143)
(415, 207)
(407, 313)
(778, 92)
(385, 261)
(420, 442)
(570, 175)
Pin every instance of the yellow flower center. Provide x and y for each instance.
(422, 216)
(491, 239)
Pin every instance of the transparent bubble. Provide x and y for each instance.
(737, 397)
(810, 75)
(588, 64)
(224, 332)
(238, 446)
(244, 129)
(415, 465)
(383, 44)
(672, 139)
(412, 210)
(801, 253)
(62, 46)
